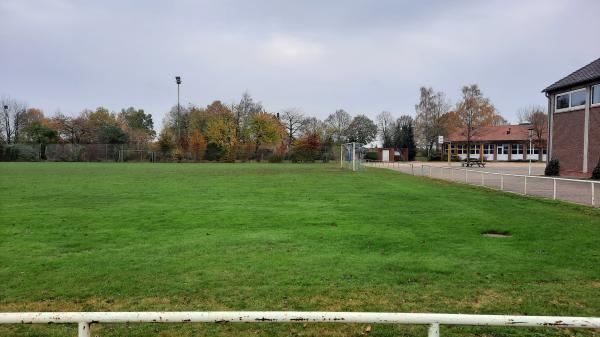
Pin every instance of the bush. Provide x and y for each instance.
(275, 159)
(371, 156)
(553, 168)
(307, 148)
(19, 152)
(213, 152)
(596, 171)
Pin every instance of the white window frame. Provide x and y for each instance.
(518, 148)
(597, 87)
(532, 150)
(570, 108)
(502, 149)
(488, 149)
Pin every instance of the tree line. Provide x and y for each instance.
(245, 130)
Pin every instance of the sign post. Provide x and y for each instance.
(441, 142)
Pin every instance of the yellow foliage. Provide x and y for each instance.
(197, 144)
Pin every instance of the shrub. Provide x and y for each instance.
(307, 148)
(371, 156)
(213, 152)
(596, 171)
(276, 158)
(553, 168)
(19, 152)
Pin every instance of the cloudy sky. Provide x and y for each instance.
(318, 56)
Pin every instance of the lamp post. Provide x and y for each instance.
(530, 137)
(178, 81)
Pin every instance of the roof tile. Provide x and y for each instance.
(587, 73)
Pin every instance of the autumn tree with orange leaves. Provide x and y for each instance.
(472, 112)
(197, 145)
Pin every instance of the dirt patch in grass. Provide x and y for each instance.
(494, 233)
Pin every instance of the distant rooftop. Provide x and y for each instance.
(586, 74)
(509, 133)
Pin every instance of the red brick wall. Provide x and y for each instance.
(594, 140)
(567, 144)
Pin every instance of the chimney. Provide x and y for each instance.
(508, 132)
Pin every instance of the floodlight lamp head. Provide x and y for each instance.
(178, 79)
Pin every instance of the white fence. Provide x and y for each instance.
(572, 190)
(84, 319)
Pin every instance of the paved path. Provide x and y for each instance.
(509, 177)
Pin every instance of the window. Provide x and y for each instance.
(532, 150)
(474, 149)
(503, 149)
(571, 99)
(517, 149)
(488, 149)
(578, 98)
(596, 94)
(562, 101)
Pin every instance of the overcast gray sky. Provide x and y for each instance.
(318, 56)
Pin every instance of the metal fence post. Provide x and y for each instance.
(593, 193)
(412, 169)
(525, 187)
(482, 179)
(434, 330)
(83, 329)
(501, 182)
(422, 171)
(554, 190)
(466, 176)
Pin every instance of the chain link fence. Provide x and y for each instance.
(137, 153)
(75, 152)
(573, 190)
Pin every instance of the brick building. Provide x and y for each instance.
(574, 120)
(498, 143)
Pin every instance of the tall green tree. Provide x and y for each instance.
(361, 130)
(404, 135)
(137, 119)
(41, 134)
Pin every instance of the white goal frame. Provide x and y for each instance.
(349, 153)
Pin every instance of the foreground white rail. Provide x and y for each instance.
(585, 192)
(84, 319)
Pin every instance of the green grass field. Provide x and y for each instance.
(95, 237)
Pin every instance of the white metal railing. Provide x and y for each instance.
(85, 319)
(573, 190)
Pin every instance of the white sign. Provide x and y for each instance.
(440, 139)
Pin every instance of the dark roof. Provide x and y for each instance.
(586, 74)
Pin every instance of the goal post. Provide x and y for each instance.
(351, 156)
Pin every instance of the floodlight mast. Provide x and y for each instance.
(178, 81)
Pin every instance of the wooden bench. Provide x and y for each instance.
(473, 162)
